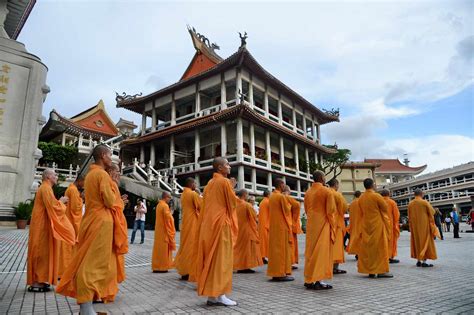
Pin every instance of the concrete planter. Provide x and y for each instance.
(21, 224)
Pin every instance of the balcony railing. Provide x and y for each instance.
(185, 117)
(209, 110)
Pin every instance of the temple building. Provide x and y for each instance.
(228, 107)
(390, 171)
(352, 177)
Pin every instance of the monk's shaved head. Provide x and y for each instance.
(266, 193)
(113, 167)
(165, 194)
(189, 182)
(218, 161)
(47, 173)
(368, 183)
(242, 193)
(99, 151)
(418, 192)
(357, 193)
(385, 192)
(279, 184)
(287, 188)
(319, 177)
(333, 182)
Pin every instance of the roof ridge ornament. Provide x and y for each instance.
(125, 97)
(243, 39)
(202, 39)
(332, 112)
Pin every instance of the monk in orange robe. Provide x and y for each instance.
(165, 244)
(394, 216)
(422, 230)
(74, 214)
(376, 231)
(264, 225)
(355, 226)
(280, 254)
(296, 225)
(120, 222)
(341, 206)
(186, 257)
(247, 249)
(49, 226)
(92, 273)
(320, 208)
(218, 231)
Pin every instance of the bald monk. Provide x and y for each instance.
(191, 204)
(49, 226)
(280, 254)
(120, 222)
(296, 225)
(355, 226)
(247, 249)
(264, 225)
(320, 208)
(218, 230)
(165, 244)
(394, 216)
(373, 254)
(92, 274)
(341, 207)
(74, 214)
(423, 230)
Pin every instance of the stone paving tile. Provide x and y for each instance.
(446, 288)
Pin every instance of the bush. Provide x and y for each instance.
(62, 155)
(23, 210)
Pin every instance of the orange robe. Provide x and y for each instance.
(376, 231)
(341, 207)
(165, 244)
(186, 257)
(264, 225)
(120, 232)
(247, 249)
(218, 230)
(422, 229)
(320, 207)
(49, 226)
(394, 215)
(92, 274)
(355, 227)
(296, 227)
(281, 236)
(74, 214)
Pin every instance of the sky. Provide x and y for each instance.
(401, 73)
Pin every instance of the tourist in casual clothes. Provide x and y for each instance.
(140, 210)
(471, 218)
(455, 216)
(437, 218)
(448, 222)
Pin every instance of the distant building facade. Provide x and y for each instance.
(391, 171)
(352, 178)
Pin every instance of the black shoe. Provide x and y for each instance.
(282, 279)
(372, 276)
(185, 277)
(393, 261)
(265, 261)
(425, 265)
(160, 271)
(131, 242)
(294, 267)
(246, 271)
(308, 285)
(357, 257)
(418, 264)
(319, 286)
(385, 275)
(338, 271)
(142, 242)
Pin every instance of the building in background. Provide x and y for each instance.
(392, 171)
(352, 178)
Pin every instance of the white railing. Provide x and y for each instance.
(261, 187)
(261, 162)
(259, 110)
(273, 117)
(287, 125)
(185, 117)
(184, 168)
(69, 174)
(163, 125)
(248, 185)
(209, 110)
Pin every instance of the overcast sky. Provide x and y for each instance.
(400, 72)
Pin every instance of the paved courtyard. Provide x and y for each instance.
(446, 288)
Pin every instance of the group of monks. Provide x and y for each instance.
(221, 233)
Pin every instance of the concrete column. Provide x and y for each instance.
(297, 161)
(152, 154)
(172, 151)
(252, 141)
(173, 110)
(223, 92)
(304, 123)
(280, 113)
(198, 100)
(197, 179)
(318, 134)
(240, 179)
(306, 157)
(143, 123)
(265, 101)
(316, 157)
(268, 148)
(313, 128)
(63, 139)
(282, 153)
(298, 187)
(293, 112)
(223, 140)
(197, 148)
(238, 85)
(251, 91)
(269, 181)
(142, 153)
(153, 117)
(240, 139)
(254, 179)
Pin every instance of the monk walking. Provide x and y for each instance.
(74, 214)
(165, 244)
(341, 207)
(264, 225)
(376, 230)
(92, 273)
(355, 226)
(394, 216)
(296, 225)
(280, 255)
(191, 204)
(320, 207)
(423, 230)
(218, 232)
(49, 226)
(247, 249)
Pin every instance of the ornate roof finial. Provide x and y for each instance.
(125, 97)
(333, 112)
(243, 39)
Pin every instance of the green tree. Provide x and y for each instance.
(53, 152)
(332, 163)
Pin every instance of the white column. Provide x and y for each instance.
(313, 128)
(173, 110)
(153, 117)
(306, 156)
(240, 177)
(63, 139)
(293, 112)
(282, 153)
(238, 85)
(254, 179)
(240, 139)
(318, 134)
(142, 153)
(197, 148)
(304, 123)
(152, 154)
(223, 92)
(269, 181)
(297, 160)
(252, 141)
(172, 151)
(143, 122)
(198, 100)
(280, 113)
(251, 91)
(265, 102)
(223, 140)
(268, 148)
(298, 187)
(197, 179)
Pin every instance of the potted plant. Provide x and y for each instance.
(23, 213)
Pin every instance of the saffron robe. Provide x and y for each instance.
(281, 236)
(218, 230)
(355, 227)
(247, 248)
(74, 214)
(373, 254)
(295, 228)
(164, 244)
(186, 257)
(264, 225)
(422, 229)
(394, 215)
(320, 208)
(341, 207)
(49, 226)
(120, 232)
(92, 273)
